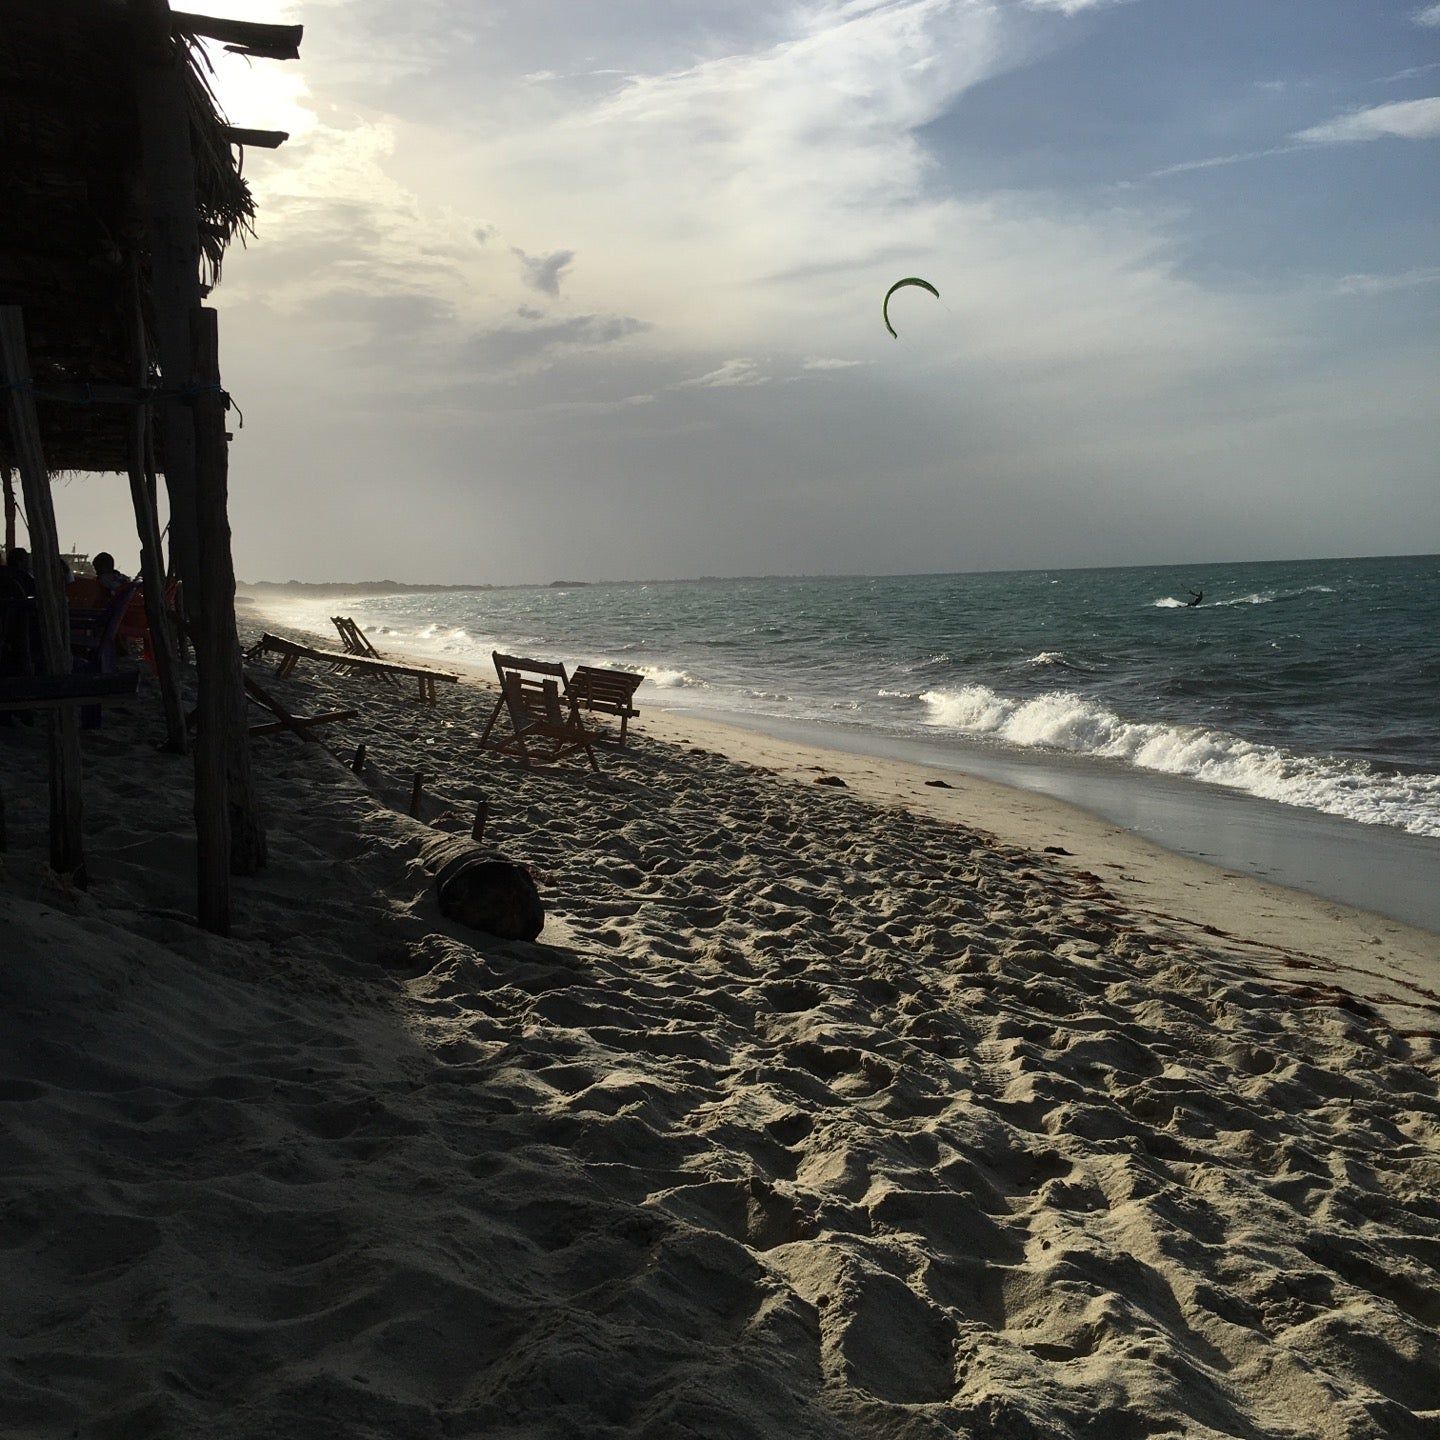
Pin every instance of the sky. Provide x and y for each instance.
(547, 288)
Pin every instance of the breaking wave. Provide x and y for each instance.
(1070, 722)
(1257, 597)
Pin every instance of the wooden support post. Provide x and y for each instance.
(217, 594)
(9, 479)
(482, 814)
(168, 175)
(67, 851)
(357, 764)
(417, 794)
(199, 528)
(147, 524)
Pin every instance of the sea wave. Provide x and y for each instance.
(664, 678)
(1255, 597)
(1054, 660)
(1067, 721)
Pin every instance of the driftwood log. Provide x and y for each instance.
(485, 891)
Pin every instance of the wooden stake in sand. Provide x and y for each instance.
(482, 814)
(417, 794)
(357, 764)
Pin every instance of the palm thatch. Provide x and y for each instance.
(70, 235)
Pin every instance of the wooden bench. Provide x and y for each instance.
(291, 653)
(611, 692)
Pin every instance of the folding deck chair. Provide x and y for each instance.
(356, 642)
(611, 692)
(537, 696)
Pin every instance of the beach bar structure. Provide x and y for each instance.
(121, 188)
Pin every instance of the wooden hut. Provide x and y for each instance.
(120, 189)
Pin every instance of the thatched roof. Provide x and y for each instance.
(69, 231)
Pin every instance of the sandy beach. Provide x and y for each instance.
(817, 1110)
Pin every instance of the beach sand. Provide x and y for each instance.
(817, 1111)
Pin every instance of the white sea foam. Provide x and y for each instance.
(1256, 597)
(1070, 722)
(664, 678)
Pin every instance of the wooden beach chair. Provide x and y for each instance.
(610, 692)
(536, 696)
(356, 642)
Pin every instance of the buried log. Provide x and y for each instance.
(490, 893)
(484, 891)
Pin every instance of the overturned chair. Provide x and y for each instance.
(536, 696)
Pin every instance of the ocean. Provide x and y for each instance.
(1312, 683)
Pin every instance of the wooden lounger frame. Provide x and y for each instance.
(291, 653)
(611, 692)
(536, 693)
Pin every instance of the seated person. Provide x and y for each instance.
(17, 570)
(105, 572)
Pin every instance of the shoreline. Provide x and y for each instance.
(1381, 868)
(1281, 929)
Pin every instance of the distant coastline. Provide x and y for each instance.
(348, 587)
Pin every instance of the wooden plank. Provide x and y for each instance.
(67, 849)
(293, 651)
(46, 692)
(263, 696)
(256, 139)
(271, 42)
(303, 722)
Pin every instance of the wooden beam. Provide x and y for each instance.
(269, 42)
(217, 596)
(256, 139)
(67, 850)
(264, 698)
(9, 478)
(43, 692)
(303, 722)
(147, 526)
(170, 210)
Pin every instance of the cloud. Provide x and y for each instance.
(1430, 15)
(822, 364)
(733, 374)
(1071, 7)
(1215, 162)
(1384, 284)
(1404, 119)
(544, 272)
(516, 345)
